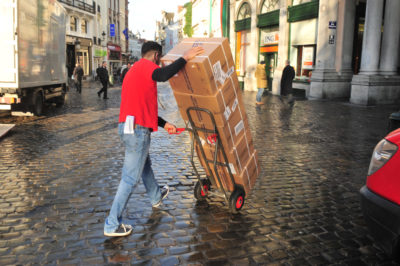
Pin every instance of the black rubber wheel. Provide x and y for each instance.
(236, 200)
(38, 104)
(60, 100)
(199, 194)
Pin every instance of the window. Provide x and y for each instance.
(84, 26)
(244, 12)
(94, 40)
(304, 61)
(73, 23)
(269, 5)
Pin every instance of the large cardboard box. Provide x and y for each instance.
(206, 73)
(209, 81)
(246, 178)
(227, 109)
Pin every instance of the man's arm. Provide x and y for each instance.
(165, 73)
(170, 128)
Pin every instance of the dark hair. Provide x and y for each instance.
(151, 46)
(262, 62)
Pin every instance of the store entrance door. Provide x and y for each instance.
(270, 65)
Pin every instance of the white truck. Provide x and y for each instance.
(32, 54)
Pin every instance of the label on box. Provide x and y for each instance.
(219, 74)
(239, 127)
(233, 171)
(227, 113)
(230, 71)
(235, 104)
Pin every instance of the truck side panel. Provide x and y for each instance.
(8, 44)
(41, 43)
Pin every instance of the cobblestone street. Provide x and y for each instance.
(59, 174)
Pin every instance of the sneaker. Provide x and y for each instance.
(122, 230)
(164, 194)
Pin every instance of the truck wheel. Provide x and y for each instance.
(60, 100)
(38, 104)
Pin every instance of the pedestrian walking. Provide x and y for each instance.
(288, 75)
(261, 76)
(103, 76)
(128, 66)
(138, 118)
(78, 75)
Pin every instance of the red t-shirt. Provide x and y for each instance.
(139, 95)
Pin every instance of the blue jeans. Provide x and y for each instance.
(259, 94)
(137, 164)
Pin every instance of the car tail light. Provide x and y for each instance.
(382, 153)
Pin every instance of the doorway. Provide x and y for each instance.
(270, 66)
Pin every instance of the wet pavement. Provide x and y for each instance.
(59, 173)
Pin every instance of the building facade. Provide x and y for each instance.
(81, 20)
(339, 48)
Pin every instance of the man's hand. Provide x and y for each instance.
(170, 128)
(192, 53)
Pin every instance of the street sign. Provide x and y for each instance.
(332, 24)
(112, 30)
(331, 39)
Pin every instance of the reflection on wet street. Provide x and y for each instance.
(59, 173)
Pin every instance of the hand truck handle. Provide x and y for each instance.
(178, 131)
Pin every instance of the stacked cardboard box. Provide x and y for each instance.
(209, 81)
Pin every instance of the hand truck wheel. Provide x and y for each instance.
(236, 200)
(199, 194)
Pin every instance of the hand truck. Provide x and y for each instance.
(203, 186)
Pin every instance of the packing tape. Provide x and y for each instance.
(229, 127)
(233, 84)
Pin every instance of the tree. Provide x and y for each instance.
(188, 30)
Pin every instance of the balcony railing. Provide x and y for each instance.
(81, 5)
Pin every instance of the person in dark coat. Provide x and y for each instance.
(128, 66)
(78, 75)
(103, 76)
(288, 75)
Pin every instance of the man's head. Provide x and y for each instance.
(77, 64)
(129, 65)
(262, 62)
(287, 62)
(152, 51)
(104, 64)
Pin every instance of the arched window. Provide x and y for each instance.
(84, 26)
(244, 12)
(269, 5)
(73, 23)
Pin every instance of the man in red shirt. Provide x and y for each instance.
(138, 118)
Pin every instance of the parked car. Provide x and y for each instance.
(380, 197)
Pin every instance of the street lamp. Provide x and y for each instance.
(77, 44)
(104, 35)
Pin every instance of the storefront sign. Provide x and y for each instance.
(270, 38)
(100, 53)
(332, 24)
(308, 57)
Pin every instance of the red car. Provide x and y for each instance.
(380, 198)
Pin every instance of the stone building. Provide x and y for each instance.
(339, 48)
(81, 20)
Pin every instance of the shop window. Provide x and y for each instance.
(84, 26)
(304, 62)
(269, 5)
(73, 23)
